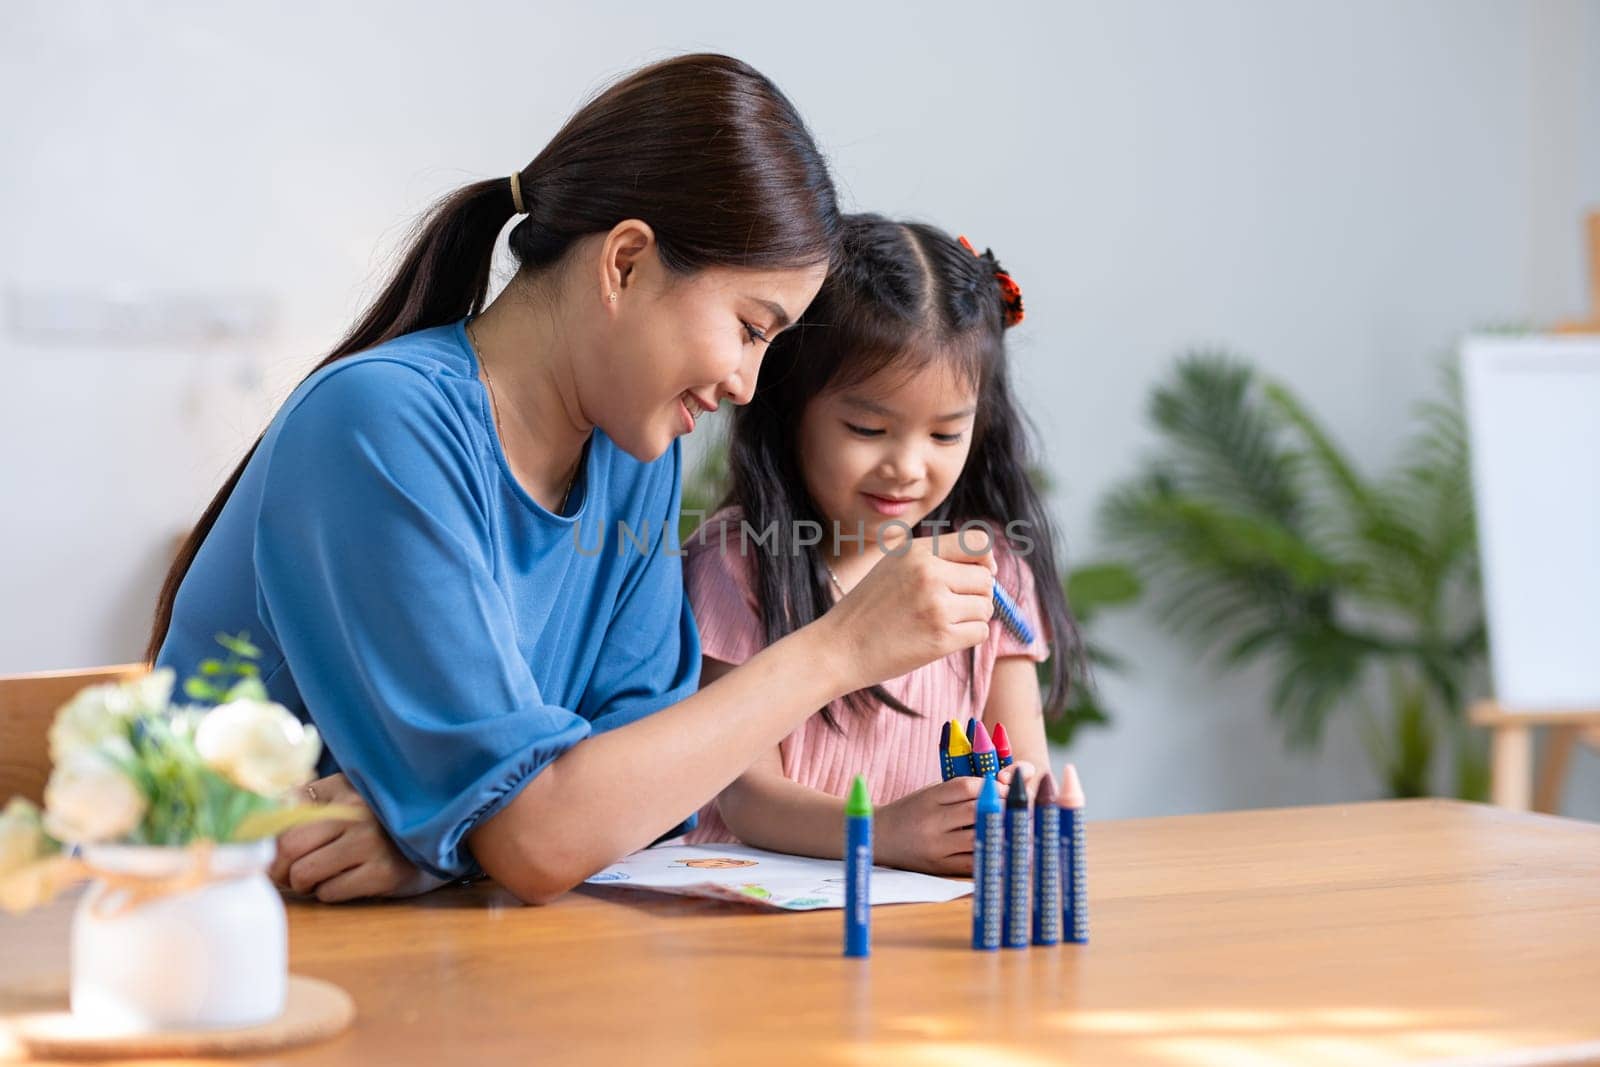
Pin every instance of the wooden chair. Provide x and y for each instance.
(1513, 783)
(28, 704)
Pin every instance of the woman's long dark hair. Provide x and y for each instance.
(899, 297)
(703, 148)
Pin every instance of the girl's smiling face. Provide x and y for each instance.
(888, 449)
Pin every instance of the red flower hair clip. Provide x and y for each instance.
(1010, 291)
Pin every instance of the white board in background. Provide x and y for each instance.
(1533, 412)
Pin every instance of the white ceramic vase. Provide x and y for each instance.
(212, 957)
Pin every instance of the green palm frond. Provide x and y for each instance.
(1318, 667)
(1375, 527)
(1225, 445)
(1262, 541)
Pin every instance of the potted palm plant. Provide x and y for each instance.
(1261, 541)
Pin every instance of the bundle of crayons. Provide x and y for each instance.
(1027, 867)
(974, 753)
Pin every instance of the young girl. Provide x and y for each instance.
(887, 408)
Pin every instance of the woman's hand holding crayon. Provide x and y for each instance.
(929, 599)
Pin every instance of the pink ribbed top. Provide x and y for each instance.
(898, 754)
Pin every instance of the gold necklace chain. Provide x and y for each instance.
(835, 578)
(494, 402)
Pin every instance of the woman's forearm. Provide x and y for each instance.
(618, 791)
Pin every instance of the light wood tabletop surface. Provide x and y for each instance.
(1368, 933)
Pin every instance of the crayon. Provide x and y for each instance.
(972, 728)
(1046, 864)
(988, 860)
(960, 753)
(858, 870)
(984, 760)
(1019, 866)
(947, 768)
(1011, 616)
(1002, 744)
(1074, 893)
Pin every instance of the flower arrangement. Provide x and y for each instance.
(131, 767)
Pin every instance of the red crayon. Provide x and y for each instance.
(1002, 744)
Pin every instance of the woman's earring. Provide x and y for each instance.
(613, 296)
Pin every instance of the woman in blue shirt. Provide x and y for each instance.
(455, 541)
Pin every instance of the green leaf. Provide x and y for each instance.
(1099, 585)
(239, 646)
(1082, 712)
(1226, 445)
(1252, 643)
(197, 689)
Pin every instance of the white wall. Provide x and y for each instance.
(1336, 190)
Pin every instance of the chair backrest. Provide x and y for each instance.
(28, 704)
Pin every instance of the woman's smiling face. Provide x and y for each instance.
(677, 345)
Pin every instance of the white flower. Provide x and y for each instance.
(21, 836)
(89, 799)
(151, 692)
(104, 711)
(184, 721)
(259, 746)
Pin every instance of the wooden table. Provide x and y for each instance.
(1367, 933)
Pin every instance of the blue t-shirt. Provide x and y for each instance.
(447, 635)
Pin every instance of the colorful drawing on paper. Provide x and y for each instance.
(765, 879)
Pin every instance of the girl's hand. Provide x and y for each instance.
(338, 860)
(1030, 778)
(914, 608)
(929, 830)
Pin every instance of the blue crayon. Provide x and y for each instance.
(972, 729)
(1019, 865)
(1046, 864)
(1010, 616)
(858, 870)
(1074, 891)
(947, 767)
(988, 863)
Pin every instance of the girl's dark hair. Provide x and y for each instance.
(703, 148)
(900, 297)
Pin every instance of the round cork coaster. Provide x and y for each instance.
(314, 1011)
